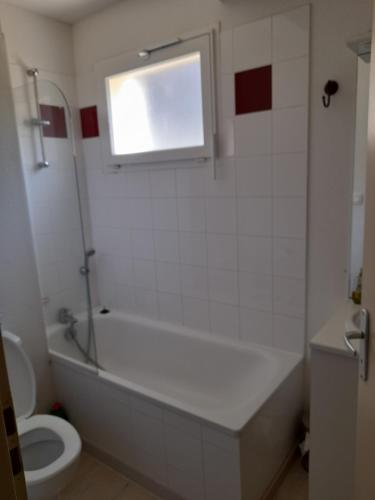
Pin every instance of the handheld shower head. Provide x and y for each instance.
(85, 269)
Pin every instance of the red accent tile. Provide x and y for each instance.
(56, 116)
(253, 90)
(89, 122)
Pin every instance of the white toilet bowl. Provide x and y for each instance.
(50, 446)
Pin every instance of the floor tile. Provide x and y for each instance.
(94, 481)
(135, 492)
(294, 485)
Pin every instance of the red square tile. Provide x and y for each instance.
(253, 90)
(56, 116)
(89, 122)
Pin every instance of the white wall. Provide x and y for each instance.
(32, 41)
(36, 41)
(135, 23)
(47, 45)
(19, 290)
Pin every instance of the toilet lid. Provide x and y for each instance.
(21, 376)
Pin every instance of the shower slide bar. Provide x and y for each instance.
(38, 122)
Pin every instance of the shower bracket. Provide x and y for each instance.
(38, 122)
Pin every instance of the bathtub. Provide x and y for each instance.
(191, 415)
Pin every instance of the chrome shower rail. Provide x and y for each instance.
(38, 122)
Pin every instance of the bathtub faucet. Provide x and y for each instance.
(66, 317)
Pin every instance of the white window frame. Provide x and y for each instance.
(131, 61)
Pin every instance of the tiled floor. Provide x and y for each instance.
(96, 481)
(295, 484)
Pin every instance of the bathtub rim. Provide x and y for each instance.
(237, 425)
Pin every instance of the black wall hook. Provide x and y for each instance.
(331, 88)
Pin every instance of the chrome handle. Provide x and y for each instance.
(352, 336)
(363, 335)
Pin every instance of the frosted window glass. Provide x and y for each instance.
(157, 107)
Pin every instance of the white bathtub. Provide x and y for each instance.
(186, 392)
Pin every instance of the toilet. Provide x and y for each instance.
(50, 446)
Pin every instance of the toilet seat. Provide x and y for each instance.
(51, 474)
(64, 431)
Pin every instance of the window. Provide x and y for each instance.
(159, 108)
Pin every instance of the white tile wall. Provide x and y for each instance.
(166, 246)
(146, 302)
(291, 34)
(142, 244)
(253, 134)
(165, 213)
(193, 248)
(221, 215)
(224, 183)
(290, 217)
(144, 274)
(196, 313)
(224, 320)
(255, 216)
(226, 137)
(194, 281)
(256, 291)
(256, 326)
(191, 182)
(191, 214)
(55, 218)
(291, 83)
(255, 254)
(287, 333)
(289, 296)
(252, 45)
(289, 257)
(224, 255)
(290, 174)
(254, 176)
(170, 307)
(290, 130)
(168, 277)
(163, 183)
(223, 286)
(222, 251)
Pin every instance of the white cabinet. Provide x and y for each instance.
(333, 412)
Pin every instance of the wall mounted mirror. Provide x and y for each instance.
(362, 47)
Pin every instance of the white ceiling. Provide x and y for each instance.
(69, 11)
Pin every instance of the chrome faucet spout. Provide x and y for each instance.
(66, 317)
